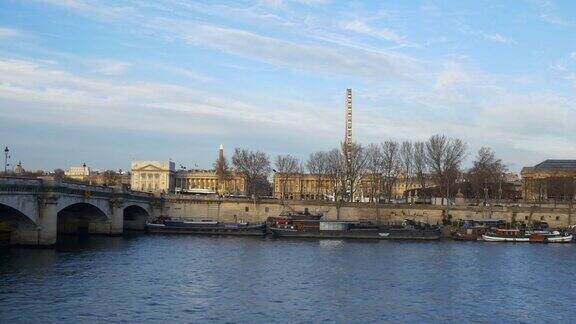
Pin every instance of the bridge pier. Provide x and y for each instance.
(100, 228)
(25, 236)
(48, 220)
(117, 217)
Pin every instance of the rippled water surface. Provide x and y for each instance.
(156, 278)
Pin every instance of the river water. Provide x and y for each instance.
(160, 278)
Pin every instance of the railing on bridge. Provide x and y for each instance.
(48, 184)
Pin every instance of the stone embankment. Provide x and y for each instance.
(258, 210)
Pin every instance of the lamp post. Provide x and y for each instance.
(6, 151)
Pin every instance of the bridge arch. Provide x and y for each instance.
(13, 224)
(77, 218)
(135, 217)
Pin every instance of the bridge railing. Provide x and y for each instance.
(12, 184)
(19, 180)
(17, 184)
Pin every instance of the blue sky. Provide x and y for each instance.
(105, 82)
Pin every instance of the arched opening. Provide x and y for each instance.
(82, 218)
(14, 225)
(135, 218)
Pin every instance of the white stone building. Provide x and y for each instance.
(153, 176)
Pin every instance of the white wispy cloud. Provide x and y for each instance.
(43, 92)
(330, 59)
(110, 67)
(313, 2)
(555, 20)
(498, 38)
(7, 32)
(361, 27)
(302, 57)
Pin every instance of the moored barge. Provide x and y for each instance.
(206, 227)
(473, 229)
(527, 236)
(408, 230)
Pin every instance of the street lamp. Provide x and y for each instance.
(6, 151)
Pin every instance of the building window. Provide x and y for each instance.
(557, 218)
(541, 217)
(246, 209)
(266, 209)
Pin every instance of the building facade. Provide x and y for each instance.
(152, 176)
(80, 173)
(549, 180)
(209, 182)
(302, 186)
(220, 181)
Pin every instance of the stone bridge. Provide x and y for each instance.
(35, 211)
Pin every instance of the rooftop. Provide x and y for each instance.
(556, 165)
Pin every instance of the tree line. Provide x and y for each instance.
(376, 168)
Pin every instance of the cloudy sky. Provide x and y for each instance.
(105, 82)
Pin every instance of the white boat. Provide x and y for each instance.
(560, 238)
(515, 235)
(505, 235)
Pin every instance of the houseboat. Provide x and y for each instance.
(288, 217)
(408, 230)
(473, 229)
(527, 236)
(206, 227)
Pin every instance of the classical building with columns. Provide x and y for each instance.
(80, 173)
(153, 176)
(208, 182)
(549, 180)
(302, 186)
(223, 182)
(305, 186)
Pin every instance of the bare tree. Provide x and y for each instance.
(444, 156)
(407, 161)
(59, 174)
(317, 166)
(336, 172)
(286, 166)
(420, 165)
(374, 169)
(486, 174)
(355, 167)
(111, 178)
(390, 165)
(222, 170)
(254, 165)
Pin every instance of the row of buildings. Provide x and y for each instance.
(548, 180)
(155, 176)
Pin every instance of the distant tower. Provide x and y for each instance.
(348, 112)
(221, 154)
